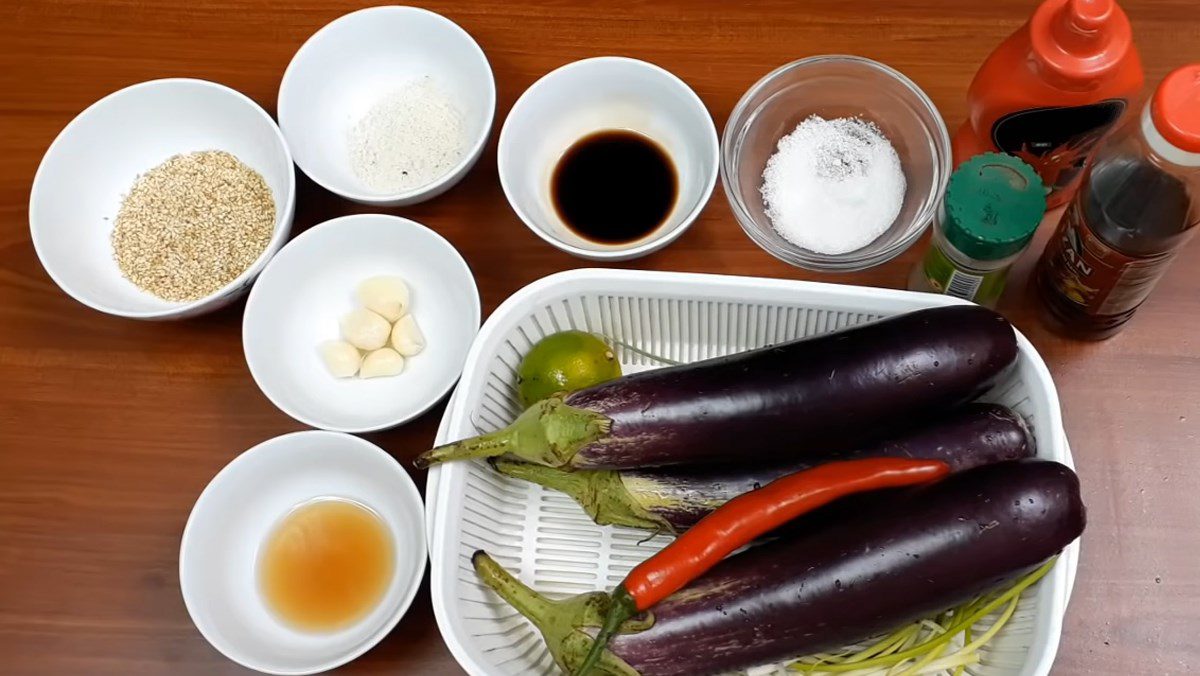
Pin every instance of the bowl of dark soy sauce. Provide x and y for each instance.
(608, 158)
(614, 187)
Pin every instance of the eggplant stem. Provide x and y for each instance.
(601, 493)
(514, 592)
(484, 446)
(561, 623)
(548, 433)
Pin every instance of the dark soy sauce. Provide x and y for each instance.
(614, 187)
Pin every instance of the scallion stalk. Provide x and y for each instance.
(927, 646)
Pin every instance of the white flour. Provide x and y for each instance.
(409, 138)
(833, 186)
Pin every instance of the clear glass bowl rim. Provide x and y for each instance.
(859, 259)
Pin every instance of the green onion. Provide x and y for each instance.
(928, 646)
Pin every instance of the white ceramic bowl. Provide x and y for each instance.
(344, 68)
(301, 296)
(235, 514)
(96, 158)
(593, 95)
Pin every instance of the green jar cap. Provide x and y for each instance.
(994, 203)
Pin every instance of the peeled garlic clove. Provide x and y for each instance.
(341, 358)
(386, 296)
(407, 338)
(382, 362)
(365, 329)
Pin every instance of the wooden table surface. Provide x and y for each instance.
(110, 428)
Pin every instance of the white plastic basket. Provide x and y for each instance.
(545, 539)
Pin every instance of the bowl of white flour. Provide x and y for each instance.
(388, 105)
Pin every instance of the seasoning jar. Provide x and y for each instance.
(993, 205)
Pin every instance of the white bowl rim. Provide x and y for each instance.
(414, 585)
(451, 174)
(278, 233)
(640, 247)
(834, 262)
(435, 397)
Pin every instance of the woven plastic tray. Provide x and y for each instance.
(546, 539)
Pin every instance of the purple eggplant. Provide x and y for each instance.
(673, 499)
(937, 547)
(832, 392)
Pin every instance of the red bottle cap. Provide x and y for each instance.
(1175, 108)
(1080, 39)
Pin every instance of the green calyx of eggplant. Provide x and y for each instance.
(601, 493)
(564, 624)
(548, 433)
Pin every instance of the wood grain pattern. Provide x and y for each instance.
(109, 428)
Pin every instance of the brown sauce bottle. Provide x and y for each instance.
(1138, 204)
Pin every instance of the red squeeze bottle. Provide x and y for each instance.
(1052, 90)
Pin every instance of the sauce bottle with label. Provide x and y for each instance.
(1052, 90)
(1139, 201)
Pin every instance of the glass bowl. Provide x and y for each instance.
(836, 86)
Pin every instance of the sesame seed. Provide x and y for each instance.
(192, 224)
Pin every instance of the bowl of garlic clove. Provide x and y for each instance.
(361, 323)
(377, 337)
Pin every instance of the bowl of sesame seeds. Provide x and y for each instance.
(163, 200)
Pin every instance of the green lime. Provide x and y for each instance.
(564, 362)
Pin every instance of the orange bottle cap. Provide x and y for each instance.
(1175, 108)
(1080, 39)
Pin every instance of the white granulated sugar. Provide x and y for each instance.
(409, 138)
(833, 186)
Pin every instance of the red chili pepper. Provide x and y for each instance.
(741, 521)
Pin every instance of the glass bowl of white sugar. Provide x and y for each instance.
(835, 163)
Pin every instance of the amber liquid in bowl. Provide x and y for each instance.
(326, 565)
